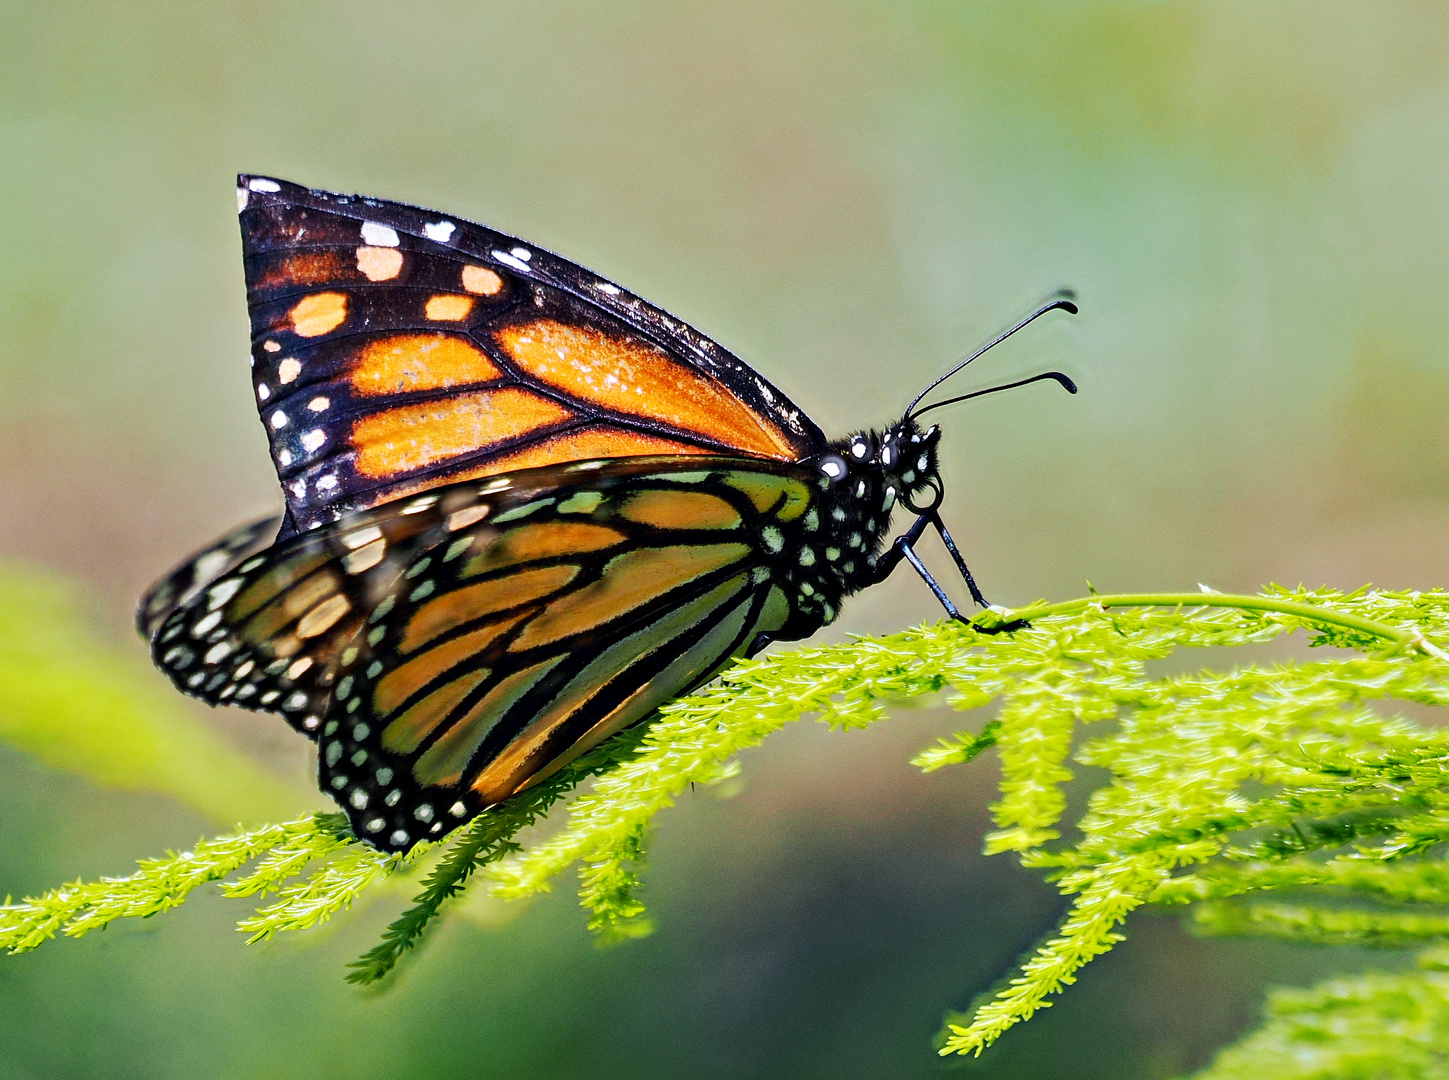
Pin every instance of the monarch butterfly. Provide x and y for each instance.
(524, 508)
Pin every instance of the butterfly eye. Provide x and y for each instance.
(833, 467)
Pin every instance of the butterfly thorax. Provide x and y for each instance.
(833, 550)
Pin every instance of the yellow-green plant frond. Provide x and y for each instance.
(1218, 787)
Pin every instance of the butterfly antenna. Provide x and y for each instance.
(1066, 384)
(1065, 300)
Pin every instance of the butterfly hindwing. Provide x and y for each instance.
(396, 349)
(199, 571)
(268, 632)
(565, 615)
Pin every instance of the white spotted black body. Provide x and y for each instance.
(833, 549)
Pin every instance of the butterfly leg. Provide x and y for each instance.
(904, 548)
(960, 562)
(1014, 624)
(931, 583)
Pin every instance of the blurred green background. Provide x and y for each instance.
(1253, 201)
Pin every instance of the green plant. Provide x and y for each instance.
(1370, 1026)
(1220, 788)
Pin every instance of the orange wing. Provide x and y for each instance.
(395, 350)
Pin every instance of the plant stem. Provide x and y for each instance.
(1402, 638)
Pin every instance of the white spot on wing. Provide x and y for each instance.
(288, 370)
(441, 231)
(365, 557)
(241, 199)
(222, 593)
(279, 419)
(379, 235)
(313, 440)
(362, 536)
(261, 183)
(510, 260)
(461, 519)
(210, 564)
(319, 404)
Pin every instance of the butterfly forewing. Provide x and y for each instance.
(395, 349)
(534, 634)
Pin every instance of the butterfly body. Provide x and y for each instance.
(524, 509)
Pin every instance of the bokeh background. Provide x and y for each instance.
(1252, 199)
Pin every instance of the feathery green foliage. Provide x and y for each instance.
(488, 838)
(1370, 1027)
(1220, 786)
(159, 885)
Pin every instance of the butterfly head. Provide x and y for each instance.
(865, 475)
(899, 464)
(909, 462)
